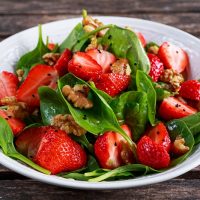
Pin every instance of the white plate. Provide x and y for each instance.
(13, 47)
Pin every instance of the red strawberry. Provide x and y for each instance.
(16, 124)
(52, 149)
(172, 108)
(51, 46)
(84, 66)
(112, 83)
(112, 150)
(157, 67)
(103, 58)
(160, 135)
(62, 63)
(40, 75)
(151, 154)
(8, 84)
(173, 57)
(190, 89)
(141, 38)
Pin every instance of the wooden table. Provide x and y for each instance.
(17, 15)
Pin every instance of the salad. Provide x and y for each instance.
(105, 104)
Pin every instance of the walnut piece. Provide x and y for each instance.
(121, 66)
(18, 109)
(68, 124)
(179, 146)
(20, 74)
(173, 78)
(51, 58)
(78, 96)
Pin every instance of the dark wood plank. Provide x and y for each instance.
(29, 189)
(97, 6)
(13, 24)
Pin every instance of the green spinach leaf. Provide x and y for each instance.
(144, 84)
(33, 57)
(51, 104)
(100, 118)
(6, 143)
(131, 108)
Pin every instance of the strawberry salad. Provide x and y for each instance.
(105, 104)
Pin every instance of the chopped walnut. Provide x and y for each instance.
(90, 24)
(173, 78)
(78, 96)
(179, 146)
(68, 124)
(20, 74)
(121, 66)
(51, 58)
(94, 44)
(18, 109)
(153, 49)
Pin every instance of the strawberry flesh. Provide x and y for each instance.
(84, 66)
(40, 75)
(62, 63)
(52, 149)
(173, 57)
(172, 108)
(104, 58)
(152, 154)
(111, 83)
(141, 38)
(190, 90)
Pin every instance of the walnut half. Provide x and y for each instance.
(179, 146)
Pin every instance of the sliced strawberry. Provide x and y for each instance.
(157, 67)
(62, 63)
(16, 124)
(52, 149)
(112, 150)
(112, 83)
(51, 46)
(141, 38)
(173, 57)
(160, 135)
(103, 58)
(172, 108)
(84, 66)
(40, 75)
(8, 84)
(151, 154)
(190, 90)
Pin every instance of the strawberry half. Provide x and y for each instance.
(62, 63)
(112, 150)
(8, 84)
(172, 108)
(52, 149)
(15, 124)
(190, 90)
(141, 38)
(103, 58)
(173, 57)
(151, 154)
(40, 75)
(112, 83)
(160, 135)
(84, 66)
(157, 67)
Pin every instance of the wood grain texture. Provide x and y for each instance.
(97, 6)
(10, 25)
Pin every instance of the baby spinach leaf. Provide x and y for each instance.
(72, 41)
(144, 84)
(51, 104)
(33, 57)
(131, 107)
(125, 44)
(6, 143)
(98, 119)
(179, 128)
